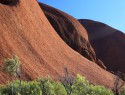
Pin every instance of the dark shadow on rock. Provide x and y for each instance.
(9, 2)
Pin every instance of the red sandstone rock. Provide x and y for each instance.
(70, 30)
(26, 32)
(108, 43)
(101, 64)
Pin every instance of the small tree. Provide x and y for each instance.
(12, 67)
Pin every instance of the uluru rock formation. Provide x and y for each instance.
(26, 32)
(70, 30)
(108, 43)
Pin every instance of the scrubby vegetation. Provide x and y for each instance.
(68, 85)
(12, 66)
(46, 86)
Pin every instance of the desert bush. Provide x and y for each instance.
(10, 89)
(59, 89)
(27, 88)
(46, 86)
(99, 90)
(30, 88)
(49, 87)
(12, 66)
(80, 86)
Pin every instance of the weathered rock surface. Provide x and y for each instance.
(108, 43)
(70, 30)
(26, 32)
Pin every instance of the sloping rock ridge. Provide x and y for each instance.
(108, 43)
(70, 30)
(26, 32)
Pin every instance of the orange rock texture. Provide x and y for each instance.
(70, 30)
(26, 32)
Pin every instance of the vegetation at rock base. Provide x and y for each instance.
(47, 86)
(68, 85)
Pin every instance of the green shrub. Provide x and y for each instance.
(10, 89)
(59, 89)
(12, 66)
(30, 88)
(80, 86)
(100, 90)
(49, 87)
(46, 86)
(27, 88)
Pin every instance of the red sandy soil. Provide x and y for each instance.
(108, 43)
(26, 32)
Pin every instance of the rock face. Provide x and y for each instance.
(26, 32)
(70, 30)
(108, 43)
